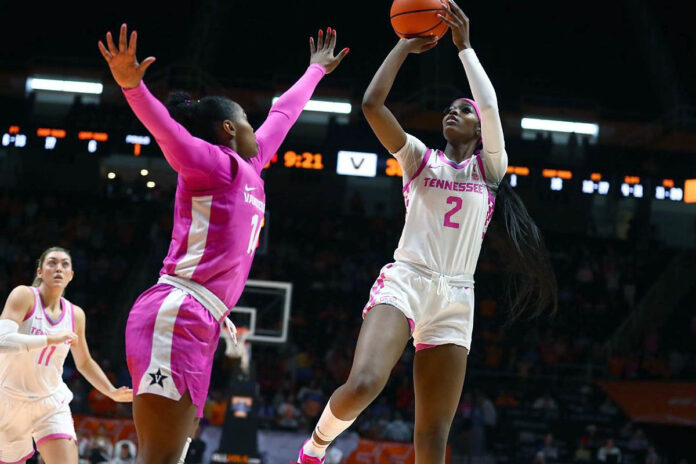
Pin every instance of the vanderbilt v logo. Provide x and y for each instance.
(357, 166)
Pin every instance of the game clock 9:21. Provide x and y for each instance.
(305, 160)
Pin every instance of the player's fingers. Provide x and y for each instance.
(105, 53)
(457, 10)
(312, 47)
(122, 38)
(452, 16)
(448, 21)
(320, 40)
(133, 43)
(110, 43)
(332, 42)
(342, 55)
(142, 67)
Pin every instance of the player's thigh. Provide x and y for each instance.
(61, 450)
(163, 426)
(438, 378)
(383, 336)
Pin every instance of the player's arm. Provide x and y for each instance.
(382, 121)
(89, 368)
(182, 150)
(287, 109)
(494, 155)
(18, 305)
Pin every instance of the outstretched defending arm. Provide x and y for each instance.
(189, 156)
(287, 109)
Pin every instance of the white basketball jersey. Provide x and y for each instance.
(37, 373)
(448, 209)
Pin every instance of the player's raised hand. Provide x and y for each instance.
(418, 44)
(122, 395)
(124, 66)
(322, 52)
(61, 337)
(458, 23)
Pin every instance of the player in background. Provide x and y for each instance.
(427, 293)
(37, 329)
(173, 327)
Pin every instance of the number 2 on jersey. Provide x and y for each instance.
(256, 225)
(448, 215)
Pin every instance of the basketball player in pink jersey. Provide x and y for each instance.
(427, 293)
(174, 327)
(37, 329)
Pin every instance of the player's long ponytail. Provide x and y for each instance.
(532, 283)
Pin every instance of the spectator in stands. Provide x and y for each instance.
(608, 408)
(638, 442)
(288, 414)
(100, 446)
(397, 429)
(609, 453)
(489, 415)
(124, 455)
(582, 453)
(506, 399)
(196, 449)
(545, 402)
(548, 452)
(651, 457)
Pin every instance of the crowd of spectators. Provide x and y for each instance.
(332, 258)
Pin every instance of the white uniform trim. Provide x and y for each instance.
(205, 297)
(161, 355)
(197, 237)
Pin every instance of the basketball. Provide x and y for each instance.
(418, 18)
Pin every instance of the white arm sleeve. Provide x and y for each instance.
(410, 156)
(494, 155)
(13, 342)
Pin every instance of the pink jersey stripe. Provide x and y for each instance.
(54, 436)
(479, 160)
(62, 312)
(426, 158)
(446, 160)
(72, 315)
(21, 460)
(424, 346)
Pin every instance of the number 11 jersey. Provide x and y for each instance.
(37, 373)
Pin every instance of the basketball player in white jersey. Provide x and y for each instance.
(37, 329)
(428, 292)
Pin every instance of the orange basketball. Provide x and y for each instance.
(418, 18)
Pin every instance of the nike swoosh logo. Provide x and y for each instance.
(249, 189)
(432, 167)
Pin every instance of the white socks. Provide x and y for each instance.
(327, 429)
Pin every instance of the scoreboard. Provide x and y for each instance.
(362, 164)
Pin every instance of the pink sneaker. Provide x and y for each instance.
(304, 459)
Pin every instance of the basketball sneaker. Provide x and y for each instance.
(304, 459)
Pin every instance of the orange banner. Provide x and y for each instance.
(384, 452)
(655, 402)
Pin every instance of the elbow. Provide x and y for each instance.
(370, 103)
